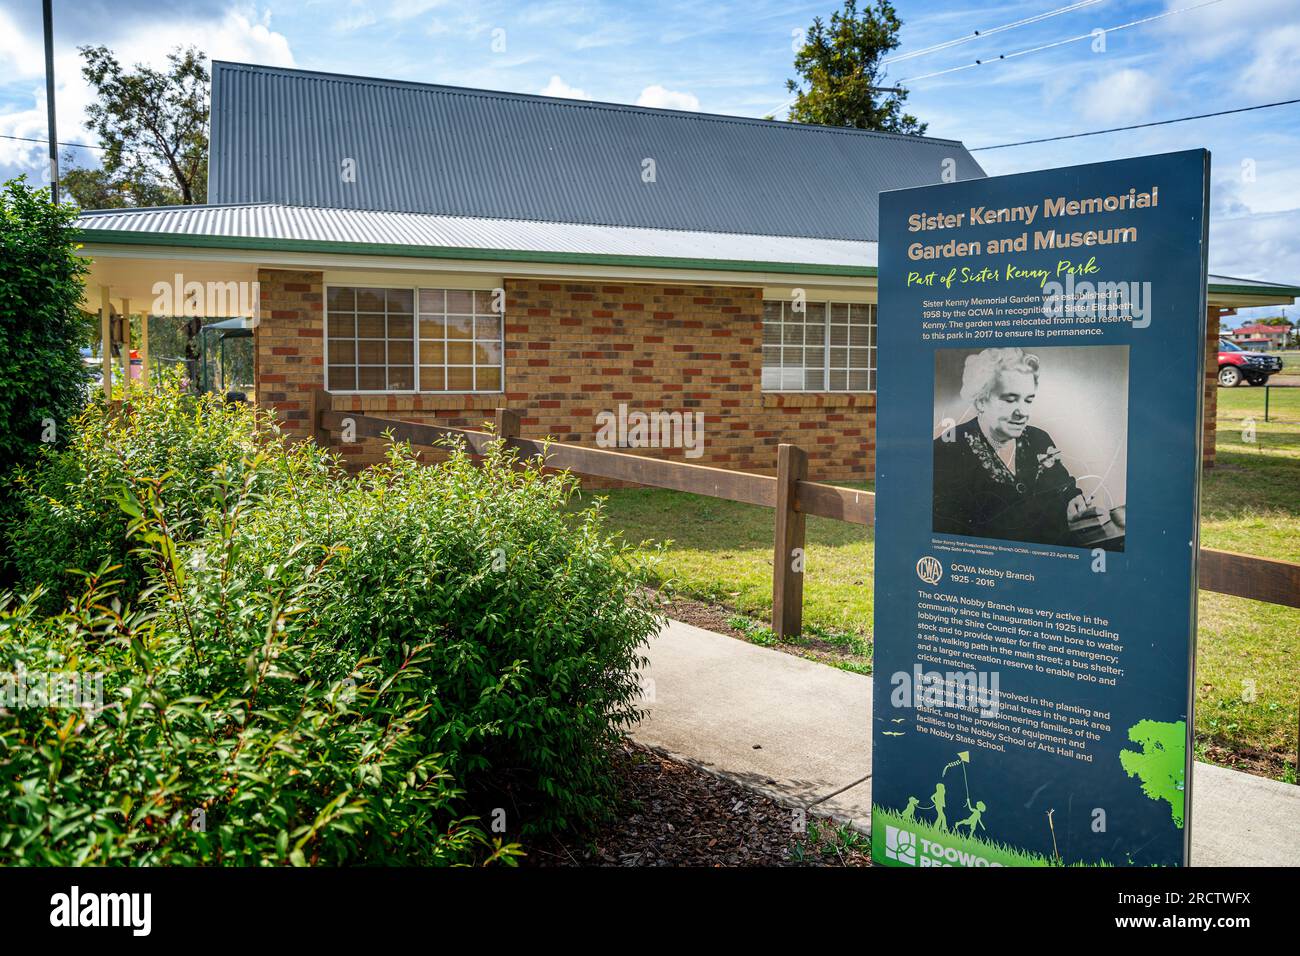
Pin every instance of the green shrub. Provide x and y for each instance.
(68, 513)
(42, 379)
(533, 616)
(216, 745)
(328, 669)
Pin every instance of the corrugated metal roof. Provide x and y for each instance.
(297, 223)
(281, 136)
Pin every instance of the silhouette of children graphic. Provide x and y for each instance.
(939, 798)
(972, 821)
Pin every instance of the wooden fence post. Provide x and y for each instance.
(321, 402)
(788, 553)
(507, 424)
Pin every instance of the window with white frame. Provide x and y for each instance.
(412, 340)
(821, 347)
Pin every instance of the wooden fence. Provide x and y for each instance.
(789, 493)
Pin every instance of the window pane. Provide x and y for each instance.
(839, 313)
(487, 327)
(342, 326)
(400, 326)
(370, 300)
(814, 379)
(839, 358)
(460, 379)
(433, 353)
(839, 335)
(792, 334)
(400, 352)
(370, 353)
(460, 327)
(814, 334)
(487, 353)
(771, 379)
(433, 327)
(859, 381)
(460, 353)
(370, 379)
(433, 378)
(859, 358)
(401, 300)
(401, 377)
(772, 311)
(489, 379)
(771, 333)
(839, 381)
(859, 335)
(460, 302)
(343, 352)
(433, 300)
(341, 299)
(371, 327)
(488, 303)
(343, 378)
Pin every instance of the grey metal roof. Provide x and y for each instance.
(360, 228)
(281, 136)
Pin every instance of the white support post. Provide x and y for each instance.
(126, 349)
(106, 344)
(144, 349)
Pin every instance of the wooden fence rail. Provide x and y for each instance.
(789, 494)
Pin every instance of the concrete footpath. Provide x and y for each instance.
(800, 732)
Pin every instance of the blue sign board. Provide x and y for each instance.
(1038, 452)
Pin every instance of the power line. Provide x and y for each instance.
(979, 34)
(1120, 129)
(1056, 43)
(28, 139)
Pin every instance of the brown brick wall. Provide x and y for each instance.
(289, 345)
(1209, 418)
(574, 349)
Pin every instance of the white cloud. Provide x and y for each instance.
(236, 35)
(665, 99)
(1271, 70)
(557, 87)
(1120, 96)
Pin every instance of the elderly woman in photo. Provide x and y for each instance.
(997, 476)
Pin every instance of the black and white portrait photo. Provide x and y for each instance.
(1032, 444)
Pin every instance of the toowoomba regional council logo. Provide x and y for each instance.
(904, 847)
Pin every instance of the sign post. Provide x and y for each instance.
(1042, 343)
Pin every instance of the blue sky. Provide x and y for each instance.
(733, 58)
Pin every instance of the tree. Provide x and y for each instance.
(840, 64)
(153, 127)
(43, 381)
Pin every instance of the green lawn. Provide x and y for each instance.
(1247, 675)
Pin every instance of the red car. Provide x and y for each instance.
(1237, 365)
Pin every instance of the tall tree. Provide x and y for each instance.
(153, 127)
(840, 72)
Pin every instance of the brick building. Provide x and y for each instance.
(431, 253)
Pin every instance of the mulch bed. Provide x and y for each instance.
(674, 815)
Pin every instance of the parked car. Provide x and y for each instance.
(1237, 365)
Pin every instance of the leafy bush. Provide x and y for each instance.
(325, 669)
(533, 617)
(42, 379)
(68, 513)
(266, 767)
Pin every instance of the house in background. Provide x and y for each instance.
(1258, 337)
(430, 253)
